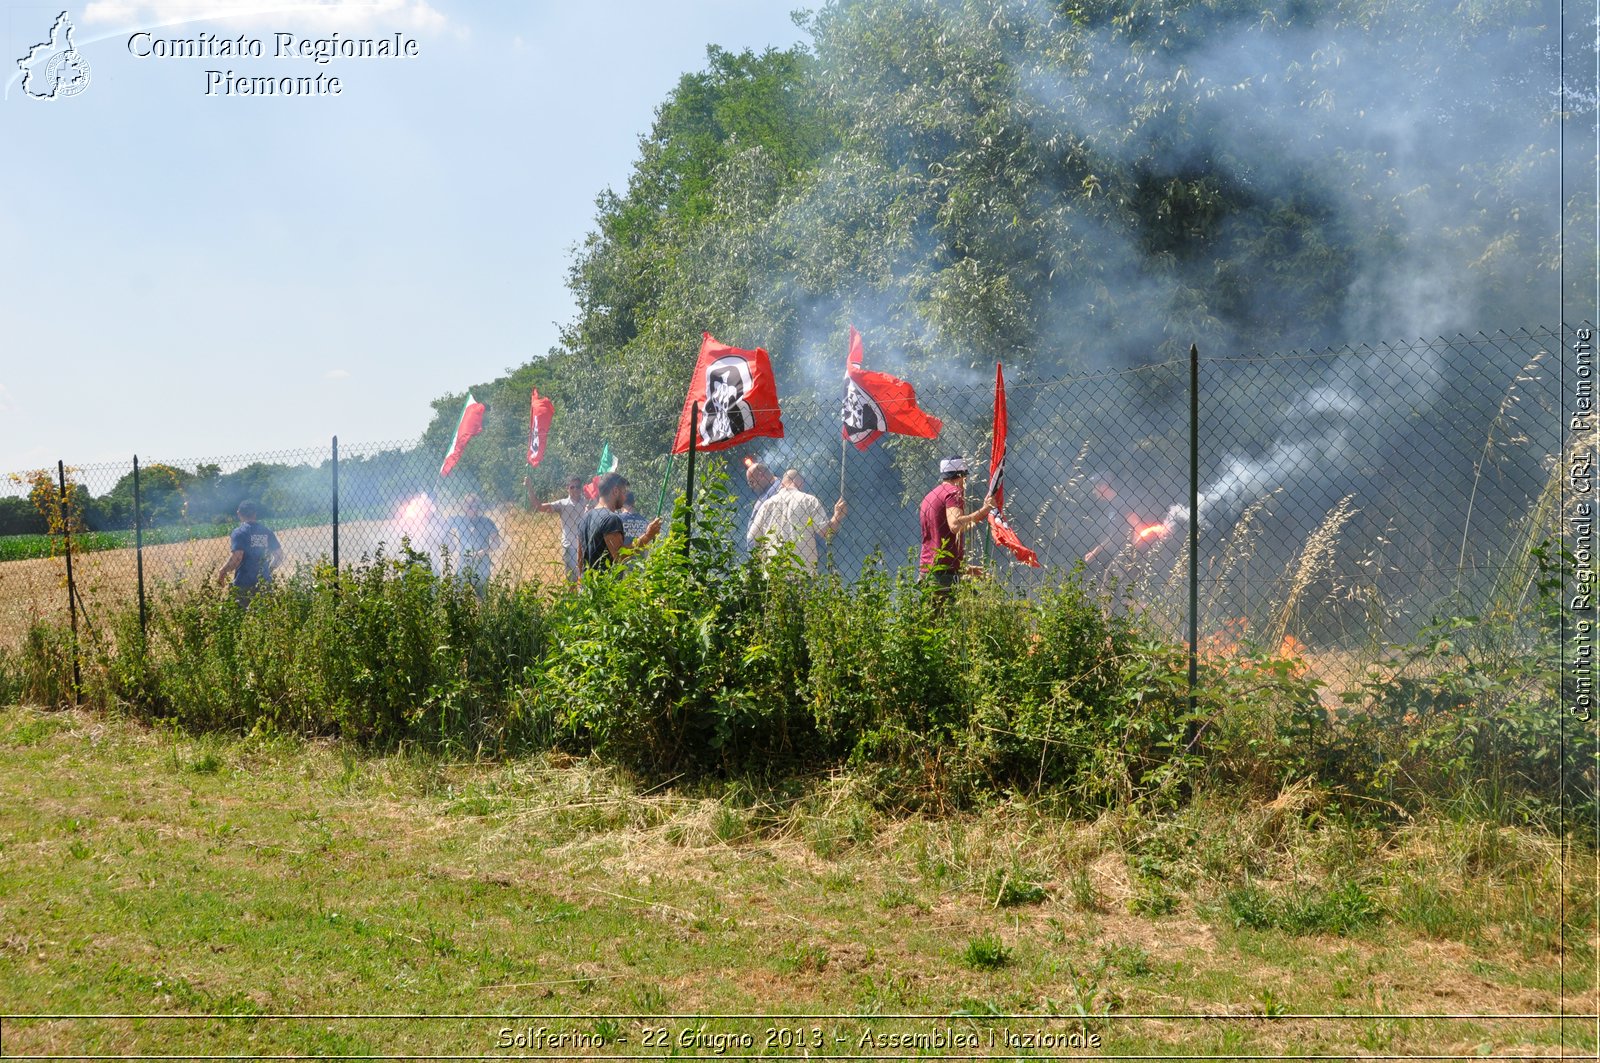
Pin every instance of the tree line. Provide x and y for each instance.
(1059, 184)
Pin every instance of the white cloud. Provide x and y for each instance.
(336, 374)
(412, 15)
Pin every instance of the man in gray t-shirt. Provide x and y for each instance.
(475, 540)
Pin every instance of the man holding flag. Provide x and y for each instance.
(944, 523)
(571, 510)
(795, 517)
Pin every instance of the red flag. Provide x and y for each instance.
(875, 403)
(737, 395)
(471, 424)
(998, 528)
(540, 412)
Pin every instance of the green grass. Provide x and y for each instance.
(147, 871)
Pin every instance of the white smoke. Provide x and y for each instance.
(1329, 428)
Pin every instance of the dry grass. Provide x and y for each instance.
(1313, 563)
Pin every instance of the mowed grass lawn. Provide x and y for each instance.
(144, 872)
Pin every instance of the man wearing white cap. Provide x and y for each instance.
(944, 523)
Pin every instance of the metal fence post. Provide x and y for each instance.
(72, 590)
(1194, 524)
(138, 546)
(336, 504)
(688, 514)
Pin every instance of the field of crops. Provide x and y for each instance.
(33, 588)
(24, 547)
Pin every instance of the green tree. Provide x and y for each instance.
(1062, 185)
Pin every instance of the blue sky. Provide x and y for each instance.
(193, 276)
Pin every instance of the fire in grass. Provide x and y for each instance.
(1231, 641)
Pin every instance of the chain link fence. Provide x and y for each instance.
(1346, 496)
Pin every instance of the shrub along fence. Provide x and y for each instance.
(690, 661)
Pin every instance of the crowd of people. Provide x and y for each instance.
(784, 517)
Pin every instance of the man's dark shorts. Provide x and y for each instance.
(943, 579)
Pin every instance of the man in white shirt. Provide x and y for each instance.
(792, 516)
(571, 510)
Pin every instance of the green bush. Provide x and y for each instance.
(692, 661)
(986, 953)
(380, 653)
(41, 672)
(686, 660)
(1341, 908)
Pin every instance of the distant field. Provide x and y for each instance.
(106, 578)
(24, 547)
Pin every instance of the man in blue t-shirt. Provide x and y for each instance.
(634, 525)
(255, 554)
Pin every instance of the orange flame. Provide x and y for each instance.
(1229, 641)
(1148, 532)
(1294, 651)
(1225, 641)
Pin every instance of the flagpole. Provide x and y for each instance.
(844, 440)
(843, 443)
(661, 502)
(688, 516)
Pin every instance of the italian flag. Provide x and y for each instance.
(470, 424)
(608, 464)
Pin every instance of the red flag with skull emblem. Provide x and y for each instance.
(738, 398)
(875, 403)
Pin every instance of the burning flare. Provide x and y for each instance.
(414, 514)
(1146, 533)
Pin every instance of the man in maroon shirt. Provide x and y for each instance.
(944, 524)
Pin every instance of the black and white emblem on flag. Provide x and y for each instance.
(862, 415)
(726, 414)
